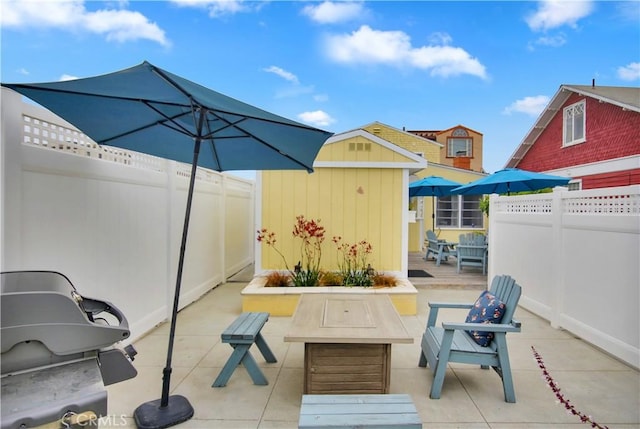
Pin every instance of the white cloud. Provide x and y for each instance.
(23, 71)
(439, 38)
(19, 13)
(629, 72)
(557, 13)
(368, 46)
(123, 26)
(532, 106)
(329, 12)
(294, 90)
(116, 24)
(218, 8)
(553, 41)
(317, 118)
(283, 74)
(68, 77)
(628, 11)
(321, 98)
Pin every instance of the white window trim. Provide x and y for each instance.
(566, 143)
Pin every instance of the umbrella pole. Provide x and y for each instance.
(433, 214)
(171, 410)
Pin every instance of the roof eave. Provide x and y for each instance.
(541, 123)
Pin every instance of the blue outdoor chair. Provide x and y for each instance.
(483, 343)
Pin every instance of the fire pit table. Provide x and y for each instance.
(347, 341)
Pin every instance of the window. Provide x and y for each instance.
(459, 144)
(575, 185)
(574, 124)
(459, 211)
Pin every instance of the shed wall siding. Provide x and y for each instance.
(354, 203)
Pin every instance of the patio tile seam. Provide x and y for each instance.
(484, 418)
(275, 381)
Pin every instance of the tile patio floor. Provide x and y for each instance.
(595, 383)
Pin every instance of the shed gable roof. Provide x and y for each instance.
(389, 155)
(408, 134)
(622, 96)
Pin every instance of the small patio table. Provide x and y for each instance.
(347, 341)
(446, 248)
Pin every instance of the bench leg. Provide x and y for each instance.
(264, 349)
(240, 354)
(232, 363)
(254, 370)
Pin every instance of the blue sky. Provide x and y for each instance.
(489, 65)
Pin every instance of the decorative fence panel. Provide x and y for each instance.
(577, 256)
(111, 220)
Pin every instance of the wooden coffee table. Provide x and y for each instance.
(347, 341)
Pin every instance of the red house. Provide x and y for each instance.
(588, 133)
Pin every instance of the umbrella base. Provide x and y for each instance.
(151, 415)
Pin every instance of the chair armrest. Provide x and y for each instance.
(435, 306)
(468, 246)
(487, 327)
(450, 304)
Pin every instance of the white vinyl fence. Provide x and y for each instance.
(576, 255)
(111, 220)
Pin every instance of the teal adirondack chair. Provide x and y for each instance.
(472, 251)
(453, 343)
(437, 248)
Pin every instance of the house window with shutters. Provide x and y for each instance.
(459, 144)
(574, 121)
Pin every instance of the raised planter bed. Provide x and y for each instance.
(282, 301)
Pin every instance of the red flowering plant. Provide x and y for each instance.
(307, 271)
(353, 264)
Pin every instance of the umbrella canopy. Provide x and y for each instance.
(511, 180)
(432, 186)
(150, 110)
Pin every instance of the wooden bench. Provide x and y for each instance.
(241, 334)
(375, 411)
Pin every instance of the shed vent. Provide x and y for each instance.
(359, 147)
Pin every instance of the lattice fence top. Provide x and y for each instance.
(611, 201)
(47, 135)
(523, 204)
(623, 204)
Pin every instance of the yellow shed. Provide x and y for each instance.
(358, 191)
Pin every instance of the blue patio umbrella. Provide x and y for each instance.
(432, 186)
(511, 180)
(150, 110)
